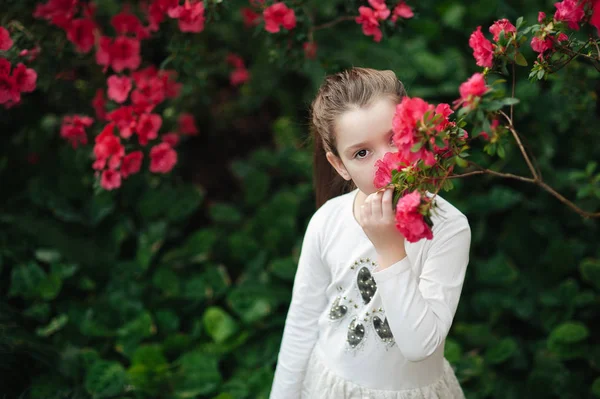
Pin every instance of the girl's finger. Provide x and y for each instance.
(376, 206)
(386, 205)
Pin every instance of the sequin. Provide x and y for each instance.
(337, 311)
(356, 333)
(366, 284)
(383, 329)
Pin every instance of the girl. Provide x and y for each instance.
(370, 312)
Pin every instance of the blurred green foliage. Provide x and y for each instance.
(164, 289)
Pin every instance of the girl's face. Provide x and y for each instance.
(363, 136)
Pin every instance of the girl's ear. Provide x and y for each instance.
(338, 165)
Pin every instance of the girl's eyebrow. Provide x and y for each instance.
(358, 145)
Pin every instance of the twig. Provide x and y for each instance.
(333, 23)
(540, 183)
(518, 140)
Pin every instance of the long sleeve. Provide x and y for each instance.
(308, 302)
(420, 309)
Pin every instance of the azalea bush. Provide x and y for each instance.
(157, 185)
(430, 145)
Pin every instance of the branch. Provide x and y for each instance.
(333, 22)
(538, 182)
(518, 140)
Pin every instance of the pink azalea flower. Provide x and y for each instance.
(409, 220)
(162, 158)
(5, 40)
(310, 50)
(81, 33)
(239, 76)
(570, 11)
(190, 16)
(119, 88)
(147, 127)
(370, 23)
(502, 25)
(126, 22)
(124, 119)
(110, 179)
(250, 17)
(171, 138)
(540, 46)
(277, 15)
(99, 104)
(472, 89)
(541, 16)
(482, 49)
(187, 125)
(25, 78)
(380, 9)
(108, 147)
(235, 60)
(121, 54)
(131, 163)
(402, 10)
(384, 167)
(73, 129)
(595, 18)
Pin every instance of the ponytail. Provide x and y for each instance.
(327, 181)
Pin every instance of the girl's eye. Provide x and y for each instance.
(358, 152)
(392, 141)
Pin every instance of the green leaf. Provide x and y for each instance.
(540, 74)
(519, 23)
(501, 152)
(510, 101)
(224, 213)
(501, 351)
(47, 255)
(284, 268)
(149, 369)
(133, 332)
(596, 387)
(105, 379)
(49, 287)
(25, 280)
(416, 147)
(218, 324)
(590, 271)
(198, 374)
(452, 351)
(520, 59)
(149, 243)
(55, 324)
(569, 332)
(63, 270)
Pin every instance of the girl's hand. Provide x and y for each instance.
(377, 219)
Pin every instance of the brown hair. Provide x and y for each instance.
(352, 88)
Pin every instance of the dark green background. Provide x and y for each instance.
(177, 286)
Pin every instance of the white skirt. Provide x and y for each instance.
(321, 383)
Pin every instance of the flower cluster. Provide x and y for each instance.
(370, 17)
(16, 79)
(133, 93)
(568, 12)
(428, 144)
(419, 129)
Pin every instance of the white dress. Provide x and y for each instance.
(354, 331)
